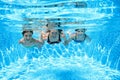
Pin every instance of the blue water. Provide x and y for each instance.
(97, 60)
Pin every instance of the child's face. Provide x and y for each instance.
(28, 36)
(54, 32)
(81, 31)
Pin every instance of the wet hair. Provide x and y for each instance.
(59, 24)
(76, 29)
(46, 25)
(60, 30)
(25, 31)
(80, 29)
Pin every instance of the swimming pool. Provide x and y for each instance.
(98, 60)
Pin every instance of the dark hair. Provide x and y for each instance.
(25, 31)
(80, 29)
(60, 30)
(46, 25)
(76, 29)
(59, 24)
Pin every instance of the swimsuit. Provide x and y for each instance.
(58, 41)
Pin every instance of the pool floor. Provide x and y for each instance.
(72, 68)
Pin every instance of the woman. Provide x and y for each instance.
(53, 36)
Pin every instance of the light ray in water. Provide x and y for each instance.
(36, 64)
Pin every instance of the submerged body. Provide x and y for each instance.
(53, 36)
(79, 36)
(29, 41)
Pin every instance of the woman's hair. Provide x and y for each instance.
(60, 30)
(25, 31)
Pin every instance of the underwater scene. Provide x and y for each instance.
(70, 58)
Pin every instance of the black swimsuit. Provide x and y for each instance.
(59, 30)
(58, 41)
